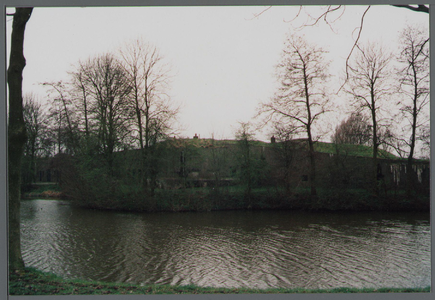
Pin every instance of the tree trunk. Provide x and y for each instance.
(310, 139)
(312, 168)
(375, 143)
(410, 180)
(16, 133)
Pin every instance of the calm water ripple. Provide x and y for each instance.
(229, 249)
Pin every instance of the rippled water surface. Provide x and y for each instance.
(229, 249)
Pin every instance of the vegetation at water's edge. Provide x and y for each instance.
(234, 198)
(31, 281)
(213, 177)
(43, 191)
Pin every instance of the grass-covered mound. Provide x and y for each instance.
(34, 282)
(322, 147)
(351, 150)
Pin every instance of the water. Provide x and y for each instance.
(256, 249)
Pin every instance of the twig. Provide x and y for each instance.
(353, 47)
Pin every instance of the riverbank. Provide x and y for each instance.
(45, 190)
(236, 198)
(34, 282)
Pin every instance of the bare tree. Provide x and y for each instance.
(331, 13)
(16, 133)
(301, 99)
(414, 85)
(106, 88)
(414, 82)
(81, 99)
(62, 114)
(36, 127)
(369, 85)
(151, 107)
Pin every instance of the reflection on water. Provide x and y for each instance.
(258, 249)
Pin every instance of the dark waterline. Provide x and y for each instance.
(257, 249)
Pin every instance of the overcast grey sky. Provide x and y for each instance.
(223, 58)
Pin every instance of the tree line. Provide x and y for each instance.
(111, 102)
(90, 123)
(377, 84)
(118, 101)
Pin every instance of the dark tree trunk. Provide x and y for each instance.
(411, 180)
(310, 139)
(312, 167)
(16, 133)
(375, 142)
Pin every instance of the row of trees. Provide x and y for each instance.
(374, 87)
(17, 127)
(114, 102)
(111, 102)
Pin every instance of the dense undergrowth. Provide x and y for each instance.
(236, 198)
(31, 281)
(127, 198)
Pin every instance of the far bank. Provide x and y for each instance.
(207, 174)
(236, 198)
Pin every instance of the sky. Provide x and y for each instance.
(222, 58)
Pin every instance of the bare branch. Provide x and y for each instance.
(353, 47)
(419, 8)
(330, 9)
(260, 13)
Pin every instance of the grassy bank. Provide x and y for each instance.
(48, 190)
(34, 282)
(235, 198)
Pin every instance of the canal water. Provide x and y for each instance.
(255, 249)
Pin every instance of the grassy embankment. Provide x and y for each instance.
(34, 282)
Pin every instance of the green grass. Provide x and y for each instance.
(34, 282)
(322, 147)
(351, 150)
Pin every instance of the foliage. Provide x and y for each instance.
(252, 166)
(355, 130)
